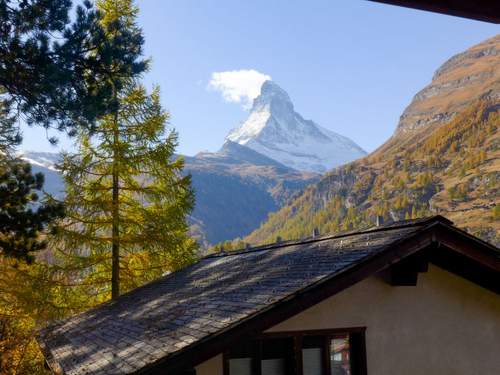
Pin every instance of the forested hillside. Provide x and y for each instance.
(444, 158)
(454, 171)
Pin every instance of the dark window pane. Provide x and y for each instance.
(313, 341)
(277, 357)
(241, 358)
(339, 356)
(312, 361)
(240, 366)
(276, 348)
(242, 350)
(274, 366)
(312, 355)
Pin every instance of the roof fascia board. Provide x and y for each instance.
(480, 10)
(465, 244)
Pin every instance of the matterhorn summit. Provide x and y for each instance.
(274, 129)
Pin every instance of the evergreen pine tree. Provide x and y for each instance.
(22, 216)
(53, 67)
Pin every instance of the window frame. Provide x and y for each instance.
(357, 348)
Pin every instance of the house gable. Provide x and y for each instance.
(443, 325)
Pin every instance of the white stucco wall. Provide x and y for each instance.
(444, 326)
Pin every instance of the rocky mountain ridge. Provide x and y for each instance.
(466, 77)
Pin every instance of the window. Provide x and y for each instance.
(240, 366)
(339, 356)
(276, 357)
(313, 355)
(320, 352)
(241, 361)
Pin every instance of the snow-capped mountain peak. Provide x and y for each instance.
(272, 94)
(274, 129)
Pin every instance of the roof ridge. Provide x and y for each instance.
(306, 240)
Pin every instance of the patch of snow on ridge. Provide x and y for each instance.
(42, 159)
(253, 126)
(274, 129)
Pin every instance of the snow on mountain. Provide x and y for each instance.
(46, 160)
(274, 129)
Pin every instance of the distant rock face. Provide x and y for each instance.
(464, 78)
(275, 130)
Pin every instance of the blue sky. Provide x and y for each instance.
(350, 65)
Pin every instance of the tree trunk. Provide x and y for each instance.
(115, 270)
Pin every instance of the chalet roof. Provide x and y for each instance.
(159, 323)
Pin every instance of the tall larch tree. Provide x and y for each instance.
(126, 198)
(56, 60)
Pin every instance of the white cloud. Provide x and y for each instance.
(238, 86)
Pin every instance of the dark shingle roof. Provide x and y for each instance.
(167, 315)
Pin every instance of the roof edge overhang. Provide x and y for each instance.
(440, 236)
(479, 10)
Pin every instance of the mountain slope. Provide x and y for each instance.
(236, 188)
(274, 129)
(443, 158)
